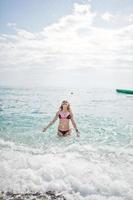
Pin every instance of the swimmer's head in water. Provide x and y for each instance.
(64, 104)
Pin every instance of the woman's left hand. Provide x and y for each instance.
(78, 134)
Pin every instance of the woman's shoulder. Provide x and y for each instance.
(58, 112)
(71, 114)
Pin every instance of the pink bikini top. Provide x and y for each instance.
(63, 115)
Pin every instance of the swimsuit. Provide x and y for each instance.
(62, 116)
(63, 132)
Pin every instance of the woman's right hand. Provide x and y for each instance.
(44, 129)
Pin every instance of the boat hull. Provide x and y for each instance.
(125, 91)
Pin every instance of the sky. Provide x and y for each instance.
(73, 43)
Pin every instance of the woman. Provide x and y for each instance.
(65, 115)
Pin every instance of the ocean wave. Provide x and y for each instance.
(78, 171)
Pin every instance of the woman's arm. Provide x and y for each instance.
(74, 123)
(51, 122)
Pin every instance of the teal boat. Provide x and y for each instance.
(125, 91)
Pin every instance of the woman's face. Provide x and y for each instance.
(65, 104)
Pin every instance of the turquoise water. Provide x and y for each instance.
(93, 166)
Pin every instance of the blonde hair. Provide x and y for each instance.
(68, 107)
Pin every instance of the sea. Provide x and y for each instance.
(98, 165)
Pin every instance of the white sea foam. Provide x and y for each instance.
(83, 172)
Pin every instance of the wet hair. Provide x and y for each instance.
(68, 107)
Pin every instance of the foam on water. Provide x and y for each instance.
(86, 172)
(96, 166)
